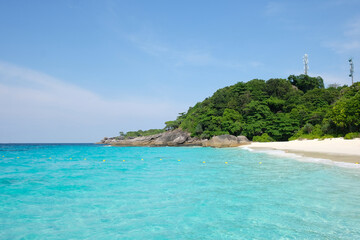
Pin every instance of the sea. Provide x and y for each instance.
(88, 191)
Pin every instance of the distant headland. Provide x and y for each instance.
(299, 107)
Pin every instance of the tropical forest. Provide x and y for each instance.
(299, 107)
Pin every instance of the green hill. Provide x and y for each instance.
(276, 109)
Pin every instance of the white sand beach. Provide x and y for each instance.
(336, 149)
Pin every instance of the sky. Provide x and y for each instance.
(77, 71)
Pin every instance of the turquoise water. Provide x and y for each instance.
(51, 192)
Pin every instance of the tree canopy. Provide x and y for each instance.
(305, 82)
(276, 109)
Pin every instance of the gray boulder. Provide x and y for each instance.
(172, 138)
(226, 141)
(243, 140)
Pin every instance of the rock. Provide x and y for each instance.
(176, 138)
(226, 141)
(172, 138)
(194, 142)
(243, 140)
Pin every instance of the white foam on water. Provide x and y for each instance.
(283, 154)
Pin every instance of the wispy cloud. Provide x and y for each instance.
(343, 46)
(184, 57)
(274, 8)
(352, 29)
(35, 103)
(348, 40)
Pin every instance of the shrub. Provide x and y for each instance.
(326, 136)
(352, 135)
(308, 128)
(263, 138)
(315, 133)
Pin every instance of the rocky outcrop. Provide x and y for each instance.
(170, 138)
(226, 141)
(177, 138)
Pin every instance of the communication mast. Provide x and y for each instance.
(351, 71)
(306, 64)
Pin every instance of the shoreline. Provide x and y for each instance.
(335, 149)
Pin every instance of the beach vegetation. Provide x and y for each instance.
(326, 136)
(352, 135)
(140, 133)
(263, 138)
(310, 132)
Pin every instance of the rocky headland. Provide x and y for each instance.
(177, 138)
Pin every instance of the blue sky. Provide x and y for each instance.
(76, 71)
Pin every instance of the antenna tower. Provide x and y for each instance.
(306, 64)
(351, 71)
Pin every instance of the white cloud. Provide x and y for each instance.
(191, 57)
(38, 107)
(343, 46)
(274, 8)
(349, 40)
(353, 28)
(331, 79)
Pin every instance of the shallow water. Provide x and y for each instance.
(51, 192)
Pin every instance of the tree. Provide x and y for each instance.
(257, 88)
(231, 121)
(275, 104)
(278, 87)
(346, 113)
(305, 82)
(170, 125)
(281, 126)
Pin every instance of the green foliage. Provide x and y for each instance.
(281, 126)
(308, 128)
(263, 138)
(141, 133)
(326, 136)
(317, 98)
(170, 125)
(275, 104)
(278, 87)
(308, 132)
(352, 135)
(305, 82)
(346, 112)
(297, 107)
(231, 121)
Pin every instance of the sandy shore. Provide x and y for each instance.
(336, 149)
